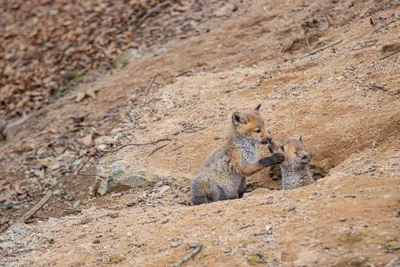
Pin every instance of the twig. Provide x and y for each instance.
(176, 148)
(392, 262)
(189, 256)
(85, 161)
(183, 73)
(246, 226)
(46, 124)
(93, 175)
(37, 207)
(151, 11)
(63, 208)
(151, 84)
(321, 48)
(139, 144)
(155, 149)
(389, 55)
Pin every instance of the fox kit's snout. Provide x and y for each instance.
(223, 175)
(296, 166)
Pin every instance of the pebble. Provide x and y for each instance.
(227, 250)
(394, 91)
(96, 241)
(342, 219)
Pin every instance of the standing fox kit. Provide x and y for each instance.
(223, 175)
(296, 167)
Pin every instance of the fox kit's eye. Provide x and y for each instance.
(258, 131)
(283, 149)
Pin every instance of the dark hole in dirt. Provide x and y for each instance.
(275, 174)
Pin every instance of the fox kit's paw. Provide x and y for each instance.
(278, 158)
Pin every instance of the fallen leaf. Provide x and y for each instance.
(43, 149)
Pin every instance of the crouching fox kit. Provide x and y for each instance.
(296, 167)
(223, 175)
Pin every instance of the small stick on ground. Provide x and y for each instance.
(321, 48)
(156, 149)
(151, 11)
(189, 256)
(139, 144)
(93, 175)
(63, 208)
(46, 124)
(183, 73)
(176, 148)
(389, 55)
(37, 207)
(150, 85)
(85, 161)
(392, 262)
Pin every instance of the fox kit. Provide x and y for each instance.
(223, 175)
(296, 167)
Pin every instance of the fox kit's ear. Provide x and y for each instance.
(238, 118)
(258, 107)
(300, 138)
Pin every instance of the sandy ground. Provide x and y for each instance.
(339, 100)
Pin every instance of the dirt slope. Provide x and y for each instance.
(342, 100)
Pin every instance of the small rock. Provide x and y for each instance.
(350, 196)
(129, 233)
(175, 244)
(165, 221)
(357, 261)
(87, 140)
(11, 129)
(116, 194)
(96, 241)
(123, 59)
(164, 189)
(85, 220)
(55, 167)
(269, 239)
(76, 204)
(227, 250)
(268, 229)
(394, 91)
(80, 96)
(255, 259)
(342, 219)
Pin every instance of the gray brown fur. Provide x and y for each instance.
(223, 175)
(296, 167)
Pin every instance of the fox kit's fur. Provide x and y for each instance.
(223, 175)
(296, 167)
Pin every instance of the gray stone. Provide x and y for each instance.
(11, 129)
(123, 59)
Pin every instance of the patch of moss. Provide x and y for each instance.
(117, 259)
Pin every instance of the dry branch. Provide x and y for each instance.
(156, 149)
(150, 85)
(64, 208)
(37, 207)
(389, 55)
(139, 144)
(320, 49)
(153, 10)
(189, 256)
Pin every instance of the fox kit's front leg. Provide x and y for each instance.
(248, 169)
